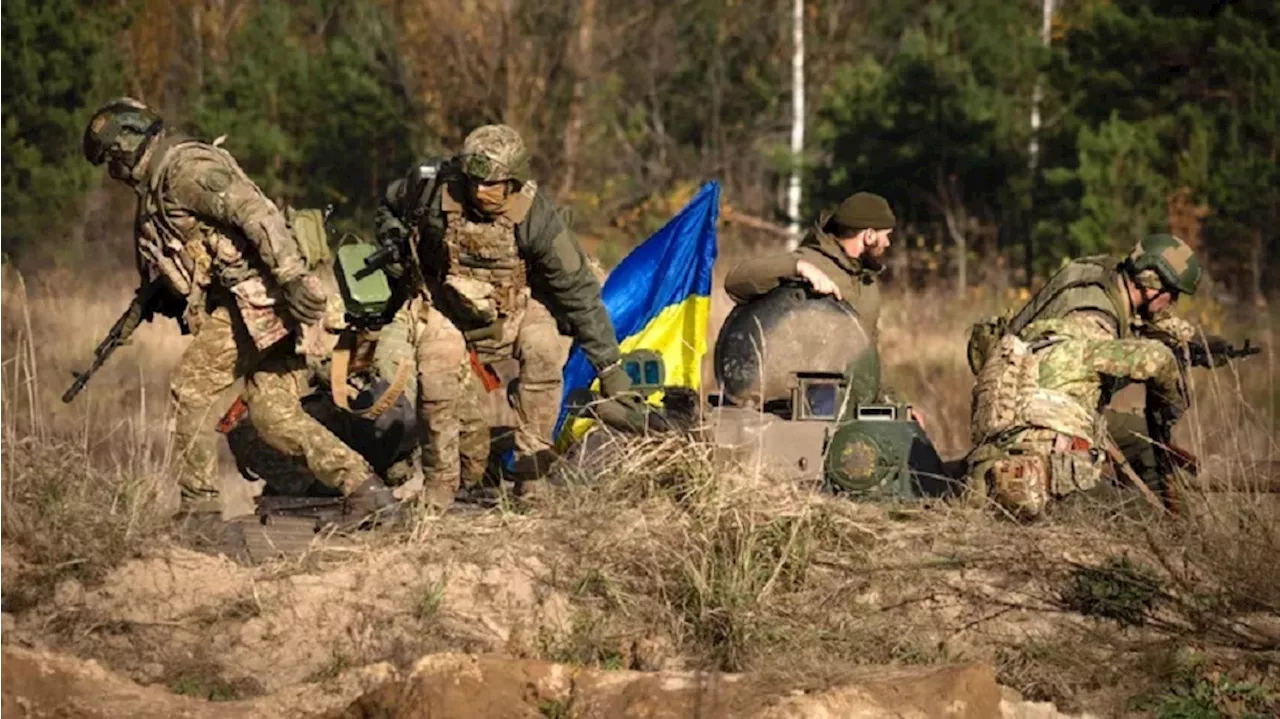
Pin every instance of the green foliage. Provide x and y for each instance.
(1124, 187)
(1195, 691)
(1154, 97)
(57, 69)
(1118, 590)
(314, 122)
(938, 116)
(927, 102)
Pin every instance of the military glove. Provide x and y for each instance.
(305, 299)
(614, 380)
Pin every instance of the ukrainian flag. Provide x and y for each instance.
(659, 299)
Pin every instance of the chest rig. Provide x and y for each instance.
(170, 244)
(486, 277)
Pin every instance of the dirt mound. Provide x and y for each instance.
(460, 685)
(179, 617)
(38, 684)
(44, 684)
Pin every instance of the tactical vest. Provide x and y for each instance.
(485, 277)
(1087, 283)
(191, 254)
(168, 244)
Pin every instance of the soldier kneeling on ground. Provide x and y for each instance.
(1046, 375)
(365, 391)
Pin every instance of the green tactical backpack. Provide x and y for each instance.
(313, 238)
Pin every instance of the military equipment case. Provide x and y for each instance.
(366, 291)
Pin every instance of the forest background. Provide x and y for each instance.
(1154, 116)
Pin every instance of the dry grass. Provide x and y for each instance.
(80, 494)
(673, 559)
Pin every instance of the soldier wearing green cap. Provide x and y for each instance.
(495, 271)
(839, 256)
(238, 282)
(1046, 375)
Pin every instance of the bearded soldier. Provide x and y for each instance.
(493, 268)
(1039, 428)
(217, 244)
(839, 256)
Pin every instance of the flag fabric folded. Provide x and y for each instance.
(659, 299)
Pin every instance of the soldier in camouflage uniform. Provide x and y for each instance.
(1039, 427)
(493, 269)
(394, 359)
(232, 266)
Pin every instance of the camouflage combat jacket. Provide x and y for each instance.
(1080, 342)
(450, 246)
(858, 287)
(207, 229)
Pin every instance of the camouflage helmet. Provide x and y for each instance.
(122, 125)
(1171, 259)
(493, 153)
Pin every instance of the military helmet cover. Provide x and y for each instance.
(493, 153)
(123, 116)
(1171, 259)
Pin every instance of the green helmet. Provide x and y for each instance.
(493, 153)
(1170, 258)
(121, 129)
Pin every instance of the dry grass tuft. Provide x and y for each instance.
(78, 497)
(722, 553)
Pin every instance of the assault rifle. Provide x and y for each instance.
(389, 252)
(1210, 353)
(1216, 351)
(146, 301)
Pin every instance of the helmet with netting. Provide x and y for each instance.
(1167, 258)
(493, 153)
(120, 127)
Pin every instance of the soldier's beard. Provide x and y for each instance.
(872, 262)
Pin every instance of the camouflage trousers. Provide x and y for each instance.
(1026, 470)
(397, 343)
(221, 353)
(530, 336)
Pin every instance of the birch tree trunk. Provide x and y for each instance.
(797, 124)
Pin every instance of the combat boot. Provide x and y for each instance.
(531, 476)
(199, 517)
(438, 496)
(528, 491)
(195, 503)
(371, 497)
